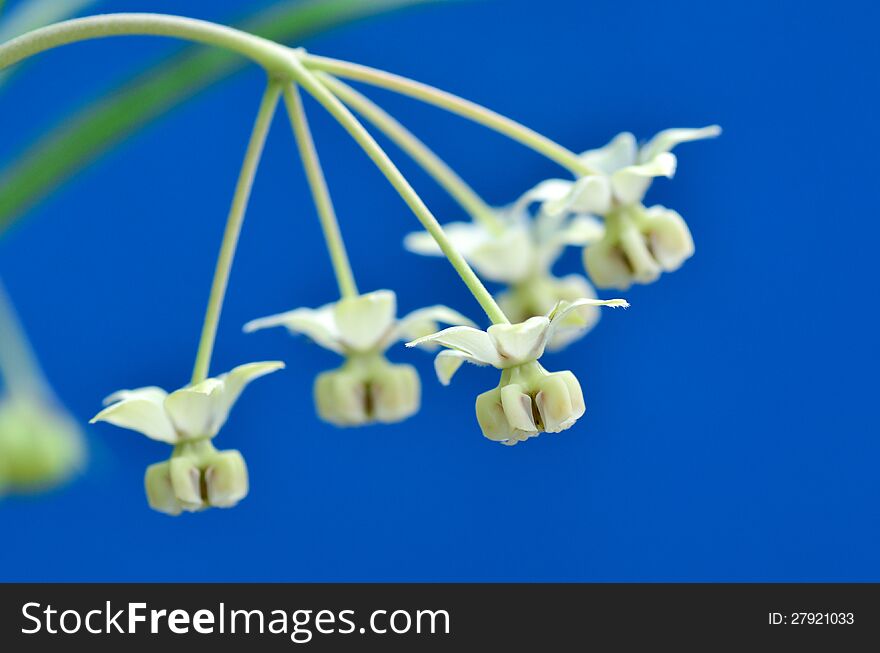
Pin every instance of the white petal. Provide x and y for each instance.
(550, 190)
(316, 324)
(559, 329)
(140, 410)
(590, 194)
(193, 409)
(234, 382)
(667, 139)
(631, 183)
(519, 343)
(507, 258)
(473, 342)
(580, 231)
(424, 321)
(620, 152)
(464, 236)
(448, 361)
(364, 320)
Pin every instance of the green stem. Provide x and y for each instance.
(320, 193)
(469, 200)
(351, 124)
(233, 229)
(18, 364)
(453, 103)
(272, 56)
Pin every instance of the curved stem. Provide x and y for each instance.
(351, 124)
(453, 103)
(18, 364)
(469, 200)
(320, 193)
(233, 229)
(272, 56)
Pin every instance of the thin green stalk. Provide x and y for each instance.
(453, 103)
(353, 126)
(469, 200)
(18, 364)
(320, 193)
(233, 229)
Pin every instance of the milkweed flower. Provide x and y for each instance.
(366, 388)
(520, 250)
(529, 400)
(197, 476)
(639, 243)
(40, 444)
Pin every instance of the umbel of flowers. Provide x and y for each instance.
(600, 209)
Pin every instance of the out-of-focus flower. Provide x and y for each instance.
(529, 400)
(520, 250)
(367, 388)
(197, 476)
(40, 445)
(639, 243)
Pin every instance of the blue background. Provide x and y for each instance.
(730, 431)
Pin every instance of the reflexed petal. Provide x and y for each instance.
(518, 343)
(193, 409)
(364, 320)
(580, 231)
(464, 236)
(316, 324)
(473, 342)
(569, 319)
(670, 239)
(667, 139)
(234, 382)
(620, 152)
(550, 190)
(448, 361)
(631, 183)
(590, 194)
(518, 408)
(508, 257)
(424, 321)
(140, 410)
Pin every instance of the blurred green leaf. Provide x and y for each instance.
(83, 137)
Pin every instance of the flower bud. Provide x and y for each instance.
(367, 389)
(528, 402)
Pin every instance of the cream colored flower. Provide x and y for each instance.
(366, 388)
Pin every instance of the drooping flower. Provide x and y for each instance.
(529, 400)
(520, 250)
(367, 388)
(197, 476)
(40, 444)
(639, 243)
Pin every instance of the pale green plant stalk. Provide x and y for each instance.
(280, 62)
(233, 229)
(320, 193)
(460, 191)
(19, 368)
(351, 124)
(453, 103)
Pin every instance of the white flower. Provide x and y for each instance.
(191, 413)
(362, 324)
(623, 172)
(529, 400)
(366, 388)
(503, 345)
